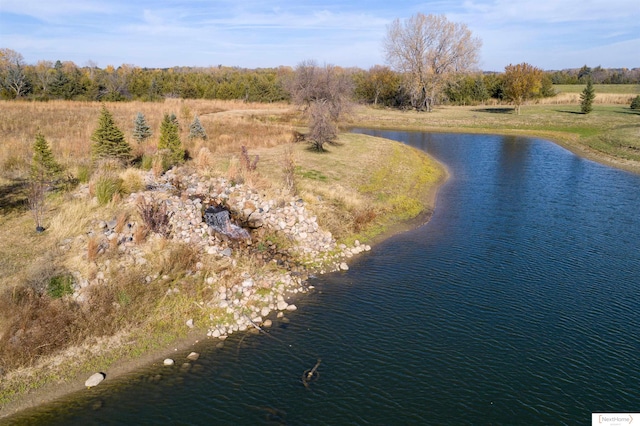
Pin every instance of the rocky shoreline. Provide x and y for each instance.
(282, 231)
(305, 248)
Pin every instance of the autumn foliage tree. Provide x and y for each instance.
(428, 50)
(521, 82)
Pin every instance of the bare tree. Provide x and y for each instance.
(13, 77)
(44, 73)
(428, 49)
(325, 95)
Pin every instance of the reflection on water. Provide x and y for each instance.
(516, 304)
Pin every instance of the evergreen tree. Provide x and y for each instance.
(44, 166)
(196, 130)
(170, 140)
(141, 130)
(108, 139)
(586, 98)
(45, 171)
(635, 103)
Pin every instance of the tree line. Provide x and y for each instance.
(429, 61)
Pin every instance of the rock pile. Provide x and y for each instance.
(300, 245)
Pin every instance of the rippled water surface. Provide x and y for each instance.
(516, 304)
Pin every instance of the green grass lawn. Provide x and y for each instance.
(611, 133)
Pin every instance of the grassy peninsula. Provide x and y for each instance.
(359, 190)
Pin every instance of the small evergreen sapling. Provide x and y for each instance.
(108, 140)
(635, 103)
(141, 130)
(45, 172)
(196, 131)
(586, 98)
(170, 141)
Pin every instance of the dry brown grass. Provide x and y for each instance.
(68, 126)
(129, 299)
(574, 99)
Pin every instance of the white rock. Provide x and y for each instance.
(193, 356)
(265, 311)
(168, 361)
(94, 380)
(190, 323)
(282, 305)
(267, 323)
(344, 266)
(292, 307)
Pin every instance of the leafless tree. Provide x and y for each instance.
(428, 49)
(12, 72)
(325, 95)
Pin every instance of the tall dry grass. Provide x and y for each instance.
(600, 99)
(68, 126)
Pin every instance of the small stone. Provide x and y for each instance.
(267, 323)
(292, 307)
(344, 266)
(168, 361)
(94, 380)
(193, 356)
(190, 323)
(226, 252)
(282, 305)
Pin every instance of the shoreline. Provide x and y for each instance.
(124, 366)
(121, 368)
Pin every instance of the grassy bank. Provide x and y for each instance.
(610, 134)
(358, 190)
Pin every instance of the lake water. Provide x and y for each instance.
(516, 304)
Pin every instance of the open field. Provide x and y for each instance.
(621, 89)
(610, 134)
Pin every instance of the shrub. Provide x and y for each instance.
(155, 216)
(246, 162)
(635, 103)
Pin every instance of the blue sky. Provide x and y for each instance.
(550, 34)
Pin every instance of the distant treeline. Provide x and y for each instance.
(378, 85)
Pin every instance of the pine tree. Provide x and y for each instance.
(141, 130)
(45, 171)
(44, 166)
(170, 140)
(196, 130)
(108, 139)
(586, 98)
(635, 103)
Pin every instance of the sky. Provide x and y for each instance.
(549, 34)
